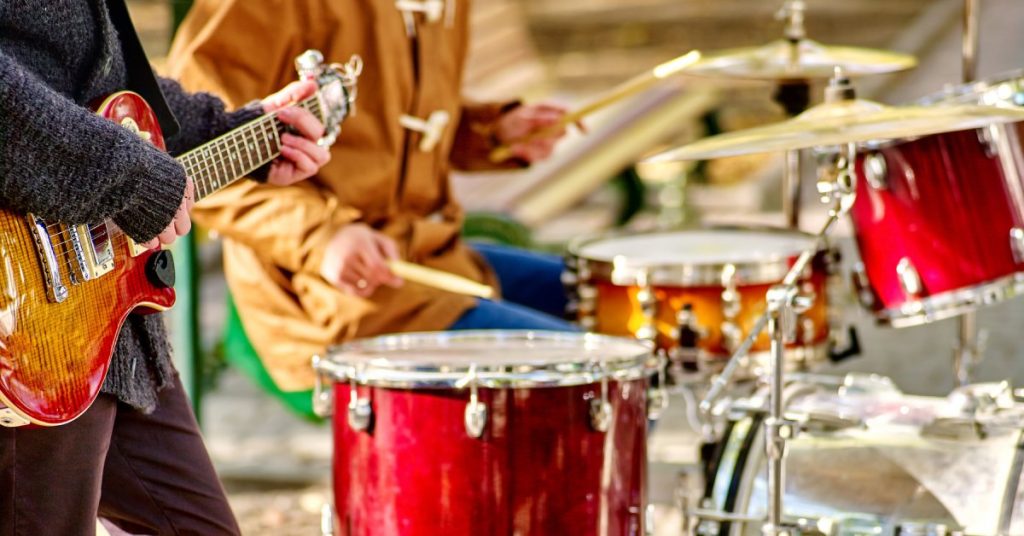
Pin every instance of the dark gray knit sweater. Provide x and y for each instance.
(63, 163)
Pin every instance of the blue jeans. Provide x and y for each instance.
(531, 288)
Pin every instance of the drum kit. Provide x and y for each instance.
(508, 432)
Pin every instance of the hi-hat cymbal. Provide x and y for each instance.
(802, 59)
(846, 121)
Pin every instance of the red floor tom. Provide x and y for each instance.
(489, 432)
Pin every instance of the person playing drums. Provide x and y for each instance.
(307, 264)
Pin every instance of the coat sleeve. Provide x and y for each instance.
(64, 163)
(474, 138)
(243, 50)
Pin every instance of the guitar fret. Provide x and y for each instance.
(239, 153)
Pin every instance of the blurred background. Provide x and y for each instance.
(275, 464)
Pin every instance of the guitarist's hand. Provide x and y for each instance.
(300, 157)
(181, 224)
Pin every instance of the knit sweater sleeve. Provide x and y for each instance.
(64, 163)
(202, 116)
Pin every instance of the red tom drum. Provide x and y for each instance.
(489, 432)
(939, 220)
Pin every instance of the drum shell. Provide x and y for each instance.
(539, 468)
(947, 205)
(618, 312)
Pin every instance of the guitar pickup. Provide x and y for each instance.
(92, 249)
(55, 289)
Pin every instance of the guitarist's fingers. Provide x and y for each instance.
(290, 94)
(182, 223)
(319, 155)
(281, 173)
(302, 121)
(304, 165)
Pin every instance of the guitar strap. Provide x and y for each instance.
(140, 73)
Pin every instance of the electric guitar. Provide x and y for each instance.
(66, 290)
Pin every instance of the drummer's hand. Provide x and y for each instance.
(521, 121)
(356, 260)
(301, 157)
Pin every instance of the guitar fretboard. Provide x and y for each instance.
(239, 152)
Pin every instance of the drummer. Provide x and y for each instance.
(307, 264)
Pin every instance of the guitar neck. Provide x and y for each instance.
(239, 152)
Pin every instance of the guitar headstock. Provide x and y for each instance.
(337, 85)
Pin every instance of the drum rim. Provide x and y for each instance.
(688, 273)
(379, 372)
(978, 87)
(951, 303)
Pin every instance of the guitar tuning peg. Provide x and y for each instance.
(309, 64)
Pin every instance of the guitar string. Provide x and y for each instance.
(207, 164)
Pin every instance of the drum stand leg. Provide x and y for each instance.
(969, 349)
(783, 304)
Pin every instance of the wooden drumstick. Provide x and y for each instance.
(630, 87)
(439, 279)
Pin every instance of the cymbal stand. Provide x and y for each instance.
(794, 97)
(969, 346)
(783, 304)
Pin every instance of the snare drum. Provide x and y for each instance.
(489, 432)
(698, 293)
(939, 220)
(870, 460)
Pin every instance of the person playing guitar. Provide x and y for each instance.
(135, 457)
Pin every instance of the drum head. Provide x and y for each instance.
(695, 257)
(492, 358)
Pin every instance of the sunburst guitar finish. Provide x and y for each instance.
(54, 355)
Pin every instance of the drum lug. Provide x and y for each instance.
(475, 416)
(648, 330)
(732, 335)
(600, 408)
(862, 286)
(359, 411)
(1017, 244)
(988, 141)
(657, 398)
(688, 336)
(323, 404)
(909, 279)
(876, 171)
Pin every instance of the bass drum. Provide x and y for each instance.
(869, 459)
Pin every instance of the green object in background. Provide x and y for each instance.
(185, 320)
(634, 195)
(238, 351)
(496, 228)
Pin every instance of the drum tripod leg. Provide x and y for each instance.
(970, 348)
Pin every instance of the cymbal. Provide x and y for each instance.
(803, 59)
(845, 121)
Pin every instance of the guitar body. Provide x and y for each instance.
(66, 290)
(54, 355)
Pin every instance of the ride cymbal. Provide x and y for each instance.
(845, 121)
(802, 59)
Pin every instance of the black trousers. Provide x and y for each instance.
(148, 474)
